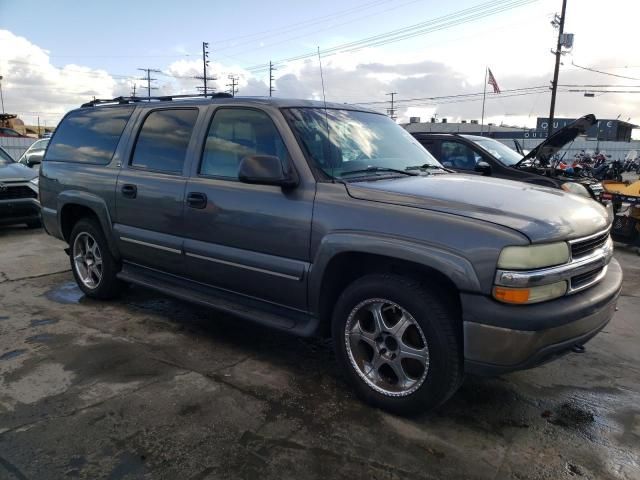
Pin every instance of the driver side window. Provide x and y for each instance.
(458, 155)
(236, 133)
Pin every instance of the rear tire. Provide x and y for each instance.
(93, 266)
(411, 361)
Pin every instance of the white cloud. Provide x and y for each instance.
(428, 67)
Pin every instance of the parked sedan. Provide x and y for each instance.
(485, 156)
(33, 156)
(18, 193)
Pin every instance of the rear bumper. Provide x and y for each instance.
(501, 338)
(19, 211)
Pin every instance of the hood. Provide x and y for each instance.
(16, 172)
(542, 214)
(545, 150)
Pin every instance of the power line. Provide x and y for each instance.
(603, 73)
(447, 21)
(332, 27)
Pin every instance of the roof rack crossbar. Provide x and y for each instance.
(163, 98)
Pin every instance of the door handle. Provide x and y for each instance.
(129, 191)
(196, 200)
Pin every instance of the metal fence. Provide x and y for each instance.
(16, 146)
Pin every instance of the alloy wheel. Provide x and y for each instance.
(387, 347)
(87, 259)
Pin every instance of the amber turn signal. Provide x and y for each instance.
(511, 295)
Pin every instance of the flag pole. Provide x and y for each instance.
(484, 96)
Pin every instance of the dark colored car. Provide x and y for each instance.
(479, 155)
(18, 193)
(330, 220)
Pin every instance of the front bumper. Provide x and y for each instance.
(501, 338)
(19, 211)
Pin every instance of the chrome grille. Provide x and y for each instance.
(585, 278)
(584, 247)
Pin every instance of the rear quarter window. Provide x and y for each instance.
(89, 135)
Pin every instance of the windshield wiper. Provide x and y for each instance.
(378, 170)
(426, 166)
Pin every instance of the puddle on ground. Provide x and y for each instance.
(65, 293)
(11, 354)
(43, 321)
(41, 338)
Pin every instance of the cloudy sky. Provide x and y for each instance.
(57, 55)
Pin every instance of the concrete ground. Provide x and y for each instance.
(150, 387)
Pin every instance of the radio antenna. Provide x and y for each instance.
(326, 115)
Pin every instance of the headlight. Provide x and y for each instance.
(531, 294)
(533, 256)
(575, 188)
(35, 181)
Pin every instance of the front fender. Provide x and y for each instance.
(94, 203)
(457, 268)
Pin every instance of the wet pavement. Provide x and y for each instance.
(150, 387)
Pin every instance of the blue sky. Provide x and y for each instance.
(122, 35)
(56, 55)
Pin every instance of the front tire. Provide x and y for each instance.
(397, 342)
(93, 266)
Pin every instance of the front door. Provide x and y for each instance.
(458, 156)
(150, 190)
(249, 239)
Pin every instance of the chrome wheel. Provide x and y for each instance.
(387, 347)
(87, 260)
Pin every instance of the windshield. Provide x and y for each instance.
(39, 145)
(5, 158)
(501, 152)
(356, 142)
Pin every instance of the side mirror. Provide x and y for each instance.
(483, 167)
(32, 160)
(265, 170)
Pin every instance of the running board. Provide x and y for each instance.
(263, 313)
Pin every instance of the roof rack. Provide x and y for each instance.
(164, 98)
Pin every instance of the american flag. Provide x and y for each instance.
(492, 81)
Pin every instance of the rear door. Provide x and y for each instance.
(151, 187)
(249, 239)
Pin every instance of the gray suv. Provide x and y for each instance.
(330, 220)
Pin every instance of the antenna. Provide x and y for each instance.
(326, 115)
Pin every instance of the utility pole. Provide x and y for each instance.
(392, 111)
(556, 72)
(205, 65)
(149, 79)
(233, 84)
(1, 97)
(133, 91)
(271, 78)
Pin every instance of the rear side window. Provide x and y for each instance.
(89, 135)
(163, 140)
